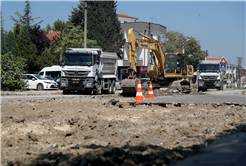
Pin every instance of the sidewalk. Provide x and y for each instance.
(226, 151)
(31, 93)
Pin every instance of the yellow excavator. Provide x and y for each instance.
(167, 70)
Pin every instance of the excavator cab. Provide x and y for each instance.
(175, 63)
(182, 60)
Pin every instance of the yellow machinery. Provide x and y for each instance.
(165, 70)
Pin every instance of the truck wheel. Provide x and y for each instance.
(79, 91)
(221, 87)
(88, 92)
(65, 91)
(40, 87)
(109, 91)
(112, 86)
(98, 90)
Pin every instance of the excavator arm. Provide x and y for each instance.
(147, 43)
(158, 70)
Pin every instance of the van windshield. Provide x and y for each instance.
(77, 59)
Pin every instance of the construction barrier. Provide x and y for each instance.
(139, 94)
(151, 93)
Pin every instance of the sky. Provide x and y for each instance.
(218, 25)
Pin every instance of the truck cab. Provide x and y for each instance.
(88, 69)
(210, 76)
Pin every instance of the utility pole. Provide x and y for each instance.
(85, 26)
(229, 73)
(239, 61)
(149, 27)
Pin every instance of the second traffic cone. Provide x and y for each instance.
(139, 94)
(151, 93)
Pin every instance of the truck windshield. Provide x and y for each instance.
(77, 59)
(209, 67)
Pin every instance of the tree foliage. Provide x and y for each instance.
(26, 19)
(47, 29)
(229, 76)
(193, 50)
(12, 69)
(73, 38)
(47, 59)
(1, 19)
(8, 42)
(102, 24)
(26, 49)
(58, 25)
(77, 15)
(39, 39)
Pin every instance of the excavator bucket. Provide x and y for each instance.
(129, 87)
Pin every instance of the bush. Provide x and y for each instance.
(12, 70)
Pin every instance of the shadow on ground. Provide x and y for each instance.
(126, 155)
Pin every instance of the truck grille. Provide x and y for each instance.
(210, 78)
(76, 73)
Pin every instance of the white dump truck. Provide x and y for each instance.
(210, 76)
(88, 70)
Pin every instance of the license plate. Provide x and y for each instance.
(76, 82)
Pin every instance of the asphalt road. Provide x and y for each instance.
(212, 96)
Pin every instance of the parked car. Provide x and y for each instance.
(38, 82)
(58, 80)
(118, 85)
(49, 77)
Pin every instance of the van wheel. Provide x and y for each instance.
(40, 87)
(112, 87)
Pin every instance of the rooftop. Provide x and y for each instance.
(51, 35)
(213, 59)
(124, 15)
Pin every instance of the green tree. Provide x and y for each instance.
(26, 49)
(59, 25)
(229, 76)
(73, 38)
(1, 31)
(1, 19)
(77, 15)
(193, 50)
(47, 59)
(17, 29)
(12, 69)
(102, 22)
(47, 29)
(8, 42)
(39, 39)
(26, 19)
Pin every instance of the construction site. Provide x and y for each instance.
(53, 129)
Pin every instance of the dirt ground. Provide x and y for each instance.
(105, 130)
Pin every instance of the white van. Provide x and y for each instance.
(53, 71)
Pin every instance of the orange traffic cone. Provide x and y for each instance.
(139, 95)
(151, 94)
